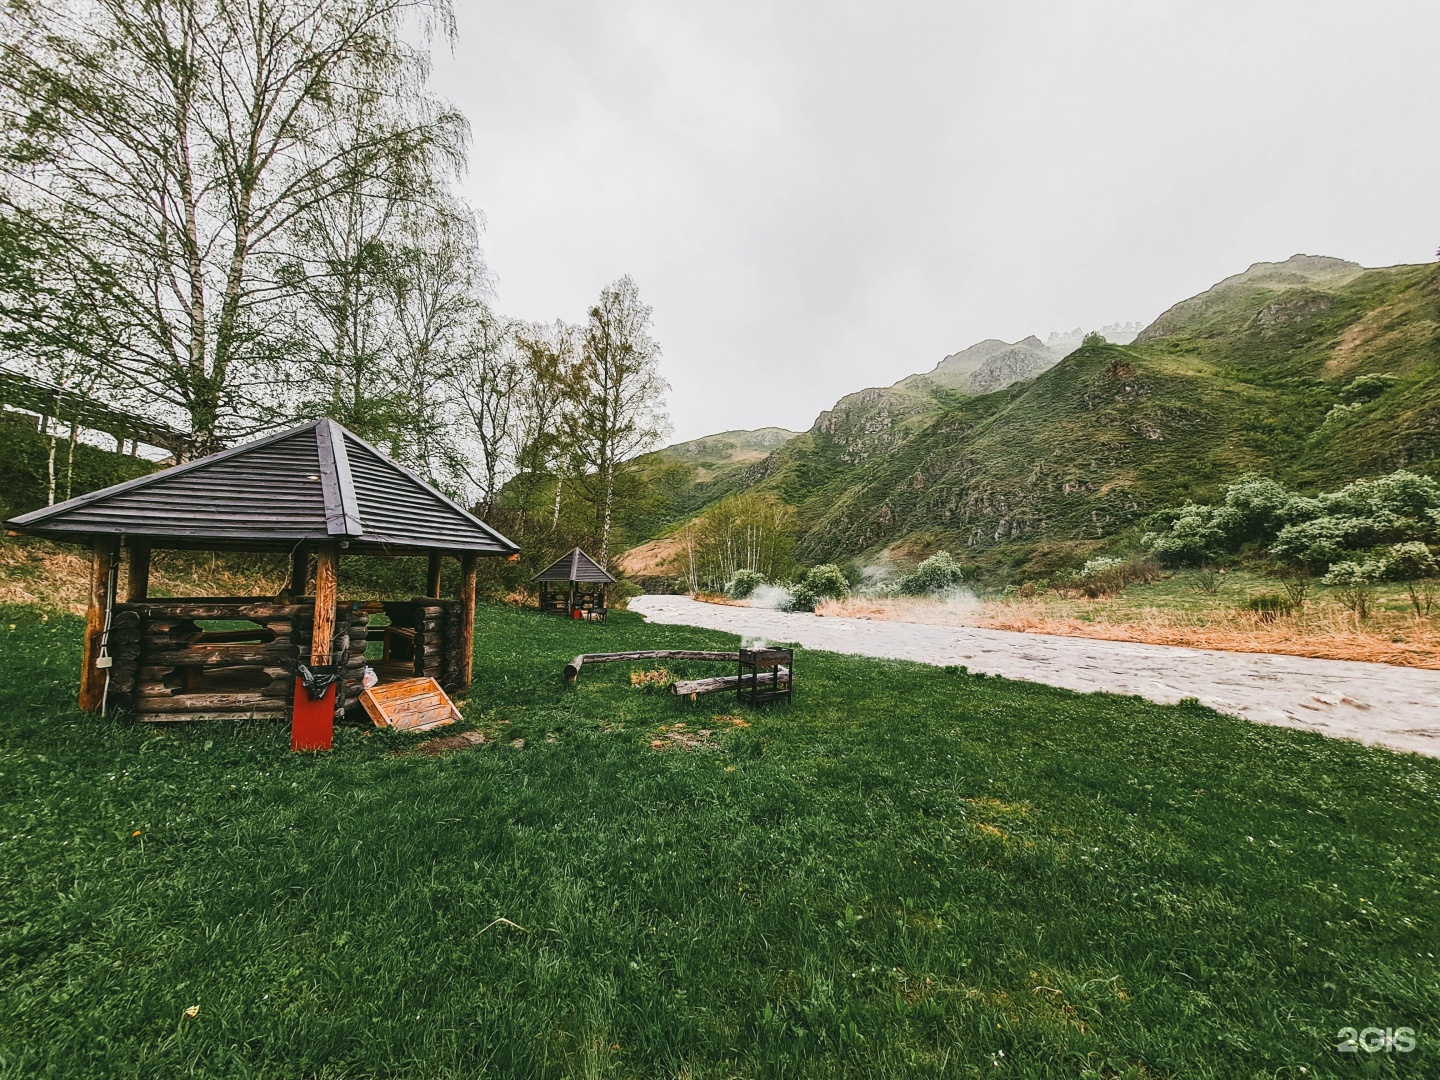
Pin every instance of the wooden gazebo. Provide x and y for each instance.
(315, 490)
(574, 586)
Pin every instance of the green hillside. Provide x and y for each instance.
(1245, 377)
(24, 482)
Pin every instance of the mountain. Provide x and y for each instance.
(712, 453)
(1246, 376)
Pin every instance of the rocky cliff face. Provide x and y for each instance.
(1023, 360)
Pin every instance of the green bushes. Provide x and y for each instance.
(1354, 581)
(826, 581)
(1365, 533)
(801, 598)
(24, 482)
(743, 584)
(823, 582)
(940, 573)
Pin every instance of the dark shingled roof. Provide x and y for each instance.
(313, 482)
(576, 566)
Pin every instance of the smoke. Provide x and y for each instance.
(876, 579)
(776, 597)
(959, 598)
(756, 641)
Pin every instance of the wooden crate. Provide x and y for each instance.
(409, 705)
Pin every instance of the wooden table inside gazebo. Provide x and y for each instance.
(314, 492)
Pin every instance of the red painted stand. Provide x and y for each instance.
(312, 725)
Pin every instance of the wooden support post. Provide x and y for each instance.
(323, 634)
(312, 722)
(299, 570)
(137, 570)
(432, 576)
(104, 554)
(467, 621)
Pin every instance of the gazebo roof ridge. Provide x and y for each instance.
(275, 492)
(576, 566)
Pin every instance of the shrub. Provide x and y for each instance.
(1412, 564)
(1142, 570)
(937, 574)
(1267, 607)
(1354, 580)
(802, 598)
(743, 584)
(1104, 576)
(1063, 584)
(826, 581)
(1367, 388)
(1206, 579)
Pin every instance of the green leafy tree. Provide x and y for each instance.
(170, 149)
(754, 531)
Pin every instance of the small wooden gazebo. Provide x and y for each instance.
(316, 489)
(574, 586)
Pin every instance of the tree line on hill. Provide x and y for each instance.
(237, 216)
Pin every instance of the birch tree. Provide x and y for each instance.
(344, 250)
(487, 385)
(548, 356)
(618, 398)
(174, 143)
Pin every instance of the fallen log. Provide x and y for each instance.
(697, 687)
(572, 669)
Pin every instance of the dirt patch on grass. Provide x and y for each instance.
(448, 745)
(680, 737)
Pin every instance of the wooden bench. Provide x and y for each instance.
(398, 633)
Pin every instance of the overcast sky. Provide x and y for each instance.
(816, 197)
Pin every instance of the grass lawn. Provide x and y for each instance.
(907, 872)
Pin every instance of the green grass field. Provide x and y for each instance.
(908, 872)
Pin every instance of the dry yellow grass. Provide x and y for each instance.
(916, 609)
(57, 576)
(657, 558)
(1325, 630)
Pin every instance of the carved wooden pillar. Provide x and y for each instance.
(326, 592)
